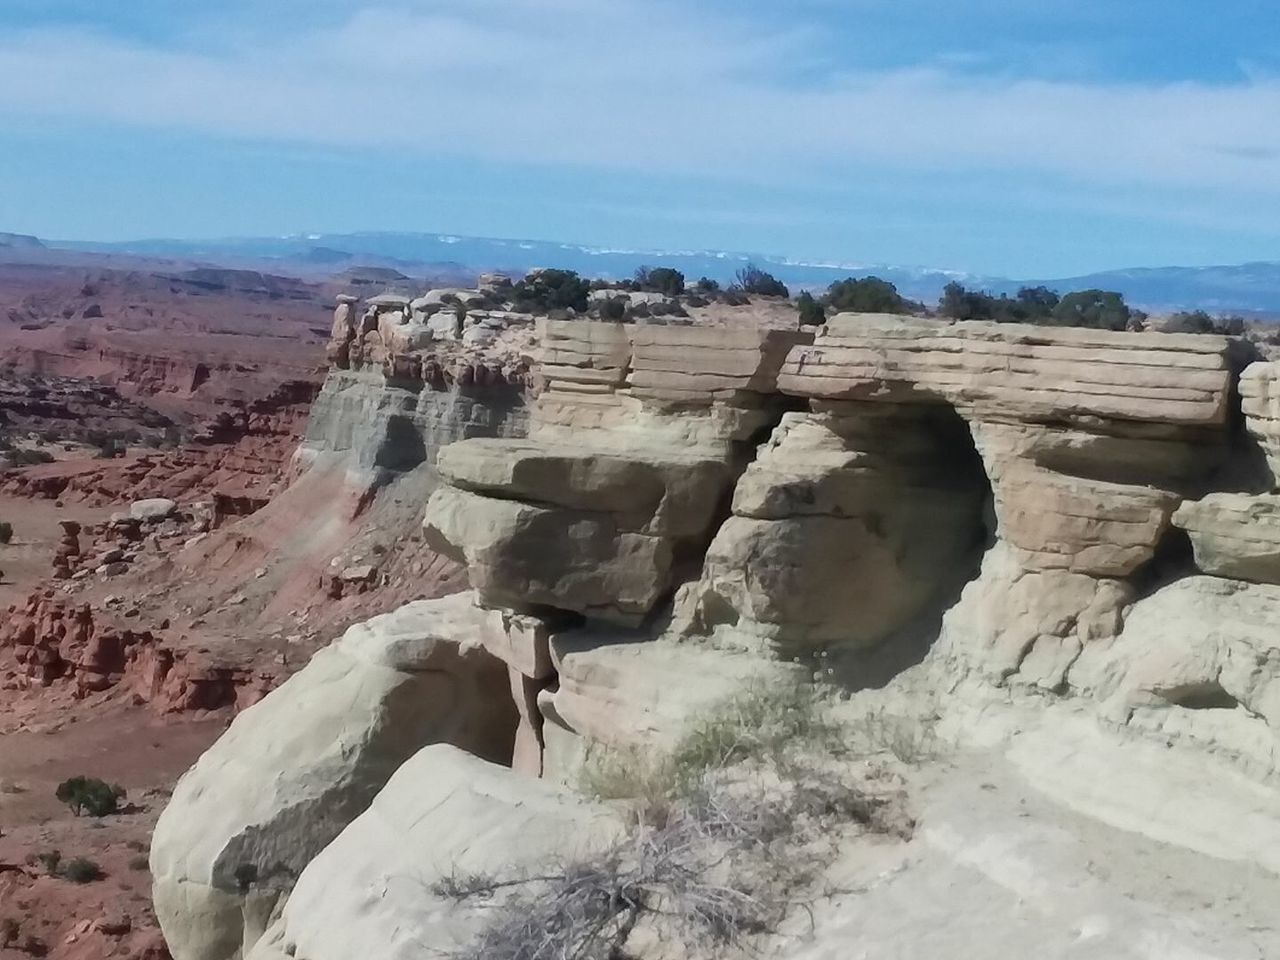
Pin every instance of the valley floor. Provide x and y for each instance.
(108, 737)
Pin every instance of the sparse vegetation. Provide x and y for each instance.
(811, 312)
(660, 280)
(706, 285)
(20, 457)
(91, 796)
(77, 869)
(1099, 309)
(9, 930)
(868, 295)
(139, 863)
(1198, 321)
(734, 826)
(613, 310)
(51, 860)
(6, 531)
(81, 870)
(911, 740)
(544, 290)
(751, 279)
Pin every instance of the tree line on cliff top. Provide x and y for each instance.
(1096, 309)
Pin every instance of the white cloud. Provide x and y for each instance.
(646, 85)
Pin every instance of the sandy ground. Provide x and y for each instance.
(116, 741)
(28, 557)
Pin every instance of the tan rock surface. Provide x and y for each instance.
(845, 527)
(1015, 370)
(1234, 535)
(295, 769)
(1260, 401)
(1200, 660)
(621, 690)
(444, 813)
(662, 491)
(518, 555)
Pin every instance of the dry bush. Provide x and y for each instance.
(911, 740)
(735, 825)
(725, 867)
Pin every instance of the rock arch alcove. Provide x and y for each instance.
(854, 528)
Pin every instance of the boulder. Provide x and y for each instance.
(660, 491)
(444, 814)
(292, 771)
(154, 509)
(519, 555)
(1234, 535)
(1063, 522)
(571, 526)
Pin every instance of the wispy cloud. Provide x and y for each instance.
(649, 85)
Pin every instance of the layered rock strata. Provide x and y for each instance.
(698, 512)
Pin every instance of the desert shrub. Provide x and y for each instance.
(89, 795)
(707, 285)
(139, 863)
(1030, 305)
(751, 279)
(811, 312)
(6, 531)
(660, 280)
(109, 448)
(725, 867)
(867, 295)
(761, 724)
(51, 860)
(614, 310)
(1231, 326)
(1198, 321)
(551, 290)
(735, 849)
(1099, 309)
(24, 458)
(8, 931)
(81, 870)
(911, 740)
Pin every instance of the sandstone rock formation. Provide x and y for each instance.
(694, 511)
(292, 773)
(370, 892)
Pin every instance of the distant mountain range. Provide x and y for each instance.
(1252, 288)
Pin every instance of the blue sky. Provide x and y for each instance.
(1015, 137)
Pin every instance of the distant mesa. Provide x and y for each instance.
(327, 255)
(21, 241)
(372, 275)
